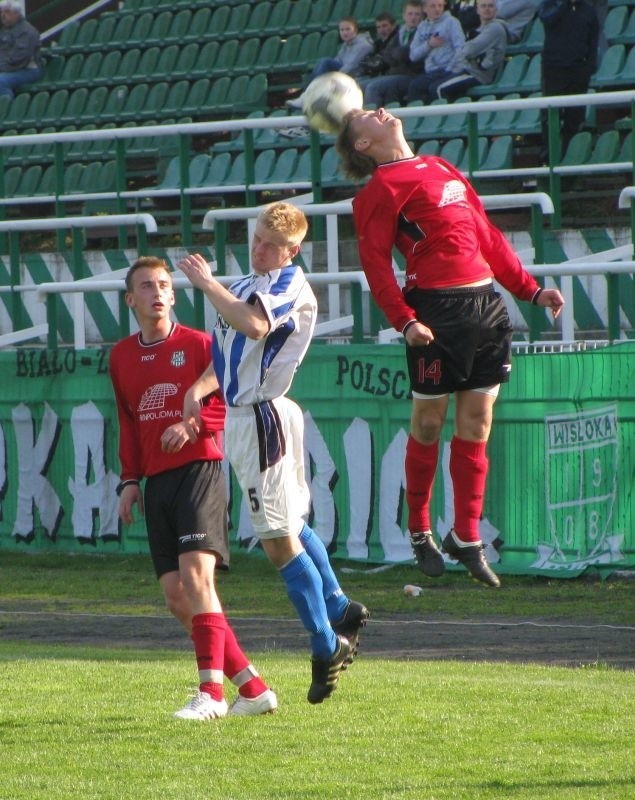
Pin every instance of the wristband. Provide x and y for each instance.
(123, 484)
(407, 325)
(537, 294)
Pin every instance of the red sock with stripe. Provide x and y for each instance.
(208, 635)
(238, 668)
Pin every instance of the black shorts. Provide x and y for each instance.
(185, 511)
(472, 340)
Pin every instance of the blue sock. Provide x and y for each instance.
(304, 589)
(335, 599)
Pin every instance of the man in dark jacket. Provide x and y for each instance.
(392, 84)
(20, 59)
(569, 56)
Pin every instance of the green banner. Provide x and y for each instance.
(560, 486)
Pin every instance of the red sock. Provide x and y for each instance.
(208, 635)
(238, 668)
(468, 469)
(421, 464)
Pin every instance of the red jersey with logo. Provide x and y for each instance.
(425, 208)
(150, 381)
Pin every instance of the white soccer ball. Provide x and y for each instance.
(328, 98)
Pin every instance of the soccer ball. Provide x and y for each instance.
(327, 100)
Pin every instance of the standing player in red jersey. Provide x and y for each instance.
(456, 327)
(184, 501)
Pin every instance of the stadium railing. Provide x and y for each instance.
(59, 142)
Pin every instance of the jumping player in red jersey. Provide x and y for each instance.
(455, 324)
(184, 501)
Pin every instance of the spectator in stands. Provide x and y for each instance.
(20, 58)
(392, 84)
(480, 58)
(569, 58)
(355, 46)
(386, 41)
(516, 14)
(465, 12)
(437, 41)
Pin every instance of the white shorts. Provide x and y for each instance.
(265, 446)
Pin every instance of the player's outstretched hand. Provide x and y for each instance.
(196, 269)
(177, 436)
(551, 298)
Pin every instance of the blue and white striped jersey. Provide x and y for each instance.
(251, 371)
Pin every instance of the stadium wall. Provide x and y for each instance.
(560, 491)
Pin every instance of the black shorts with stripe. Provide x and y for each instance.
(472, 340)
(185, 511)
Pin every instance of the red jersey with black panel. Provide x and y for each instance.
(425, 208)
(150, 381)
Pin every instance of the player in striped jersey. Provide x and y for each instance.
(265, 323)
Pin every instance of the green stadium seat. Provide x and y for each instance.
(199, 26)
(615, 23)
(532, 40)
(263, 165)
(610, 67)
(198, 169)
(84, 37)
(532, 79)
(97, 99)
(509, 80)
(291, 54)
(237, 20)
(298, 17)
(453, 151)
(431, 147)
(455, 124)
(127, 66)
(187, 60)
(578, 150)
(165, 64)
(17, 109)
(330, 169)
(218, 22)
(342, 8)
(528, 121)
(606, 149)
(116, 101)
(258, 18)
(215, 102)
(319, 17)
(329, 44)
(196, 97)
(500, 122)
(217, 170)
(68, 35)
(244, 59)
(36, 108)
(54, 110)
(72, 69)
(227, 58)
(236, 176)
(284, 168)
(146, 67)
(626, 77)
(207, 59)
(153, 104)
(160, 28)
(254, 96)
(627, 36)
(499, 154)
(123, 30)
(107, 68)
(481, 152)
(179, 27)
(176, 98)
(278, 17)
(267, 54)
(627, 150)
(141, 30)
(429, 127)
(29, 181)
(11, 179)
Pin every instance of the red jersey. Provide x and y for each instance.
(150, 381)
(425, 208)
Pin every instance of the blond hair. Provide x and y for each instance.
(285, 219)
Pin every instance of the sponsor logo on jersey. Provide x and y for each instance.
(153, 398)
(453, 192)
(149, 357)
(178, 358)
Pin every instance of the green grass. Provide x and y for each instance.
(126, 584)
(97, 725)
